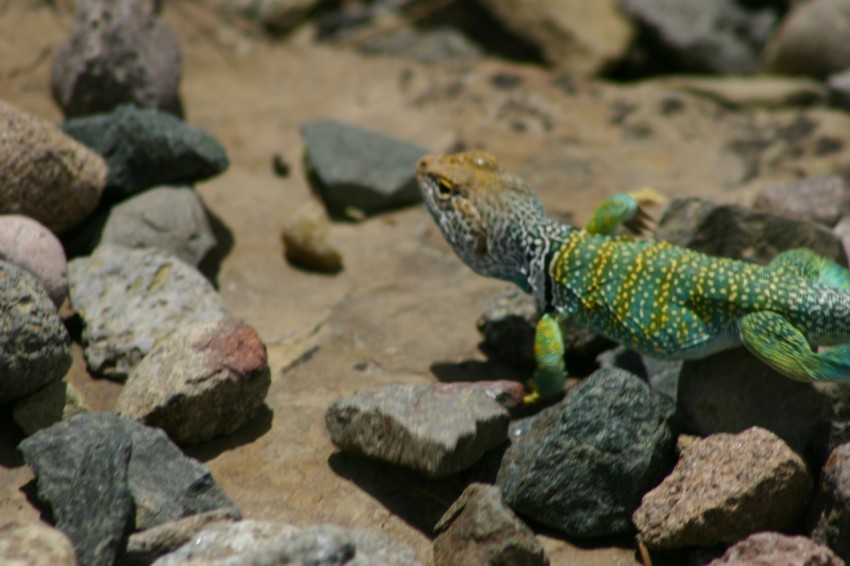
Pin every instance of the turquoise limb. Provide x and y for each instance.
(808, 265)
(783, 347)
(551, 372)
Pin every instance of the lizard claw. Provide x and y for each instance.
(642, 221)
(533, 397)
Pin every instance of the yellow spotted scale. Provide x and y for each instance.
(656, 298)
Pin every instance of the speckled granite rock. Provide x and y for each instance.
(725, 487)
(776, 549)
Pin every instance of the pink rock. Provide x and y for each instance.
(29, 245)
(777, 549)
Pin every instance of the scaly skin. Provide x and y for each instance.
(656, 298)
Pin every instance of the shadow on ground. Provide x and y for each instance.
(256, 428)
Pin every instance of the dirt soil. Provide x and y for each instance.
(404, 308)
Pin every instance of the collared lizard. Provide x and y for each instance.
(656, 298)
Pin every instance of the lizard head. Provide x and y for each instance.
(484, 212)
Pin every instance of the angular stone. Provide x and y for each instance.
(566, 467)
(131, 299)
(265, 542)
(723, 488)
(172, 219)
(585, 38)
(144, 547)
(436, 429)
(53, 403)
(704, 37)
(820, 199)
(794, 411)
(352, 168)
(30, 245)
(479, 529)
(46, 175)
(35, 544)
(811, 40)
(777, 549)
(163, 484)
(34, 346)
(118, 52)
(832, 505)
(145, 148)
(206, 379)
(737, 232)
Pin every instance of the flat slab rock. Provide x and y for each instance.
(101, 473)
(131, 299)
(723, 488)
(436, 429)
(480, 529)
(777, 549)
(206, 379)
(266, 542)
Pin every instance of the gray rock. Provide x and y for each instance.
(832, 505)
(842, 232)
(163, 485)
(145, 148)
(205, 379)
(35, 543)
(740, 233)
(777, 549)
(28, 244)
(723, 488)
(479, 529)
(145, 547)
(169, 218)
(584, 38)
(53, 403)
(46, 175)
(508, 324)
(264, 542)
(441, 43)
(663, 375)
(282, 16)
(81, 466)
(352, 168)
(820, 199)
(34, 345)
(811, 40)
(796, 412)
(839, 89)
(131, 299)
(118, 52)
(436, 429)
(567, 466)
(704, 37)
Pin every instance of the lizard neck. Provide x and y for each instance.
(540, 242)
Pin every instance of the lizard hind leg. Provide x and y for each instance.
(810, 266)
(776, 342)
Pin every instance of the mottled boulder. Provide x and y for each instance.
(704, 37)
(479, 529)
(35, 544)
(52, 403)
(436, 429)
(119, 52)
(89, 464)
(265, 542)
(723, 488)
(794, 411)
(585, 38)
(169, 218)
(820, 199)
(777, 549)
(34, 346)
(358, 171)
(567, 466)
(832, 505)
(206, 379)
(740, 233)
(811, 40)
(46, 175)
(131, 299)
(28, 244)
(145, 148)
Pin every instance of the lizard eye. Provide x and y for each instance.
(444, 188)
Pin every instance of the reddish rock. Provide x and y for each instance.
(833, 503)
(776, 549)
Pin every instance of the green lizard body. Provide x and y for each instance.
(656, 298)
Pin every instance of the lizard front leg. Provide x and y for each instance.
(625, 209)
(551, 372)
